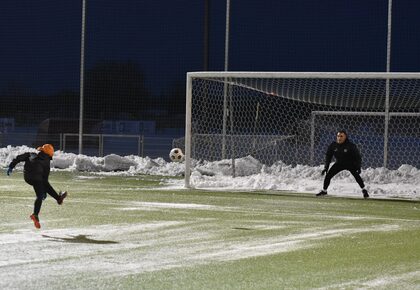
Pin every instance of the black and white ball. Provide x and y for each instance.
(176, 155)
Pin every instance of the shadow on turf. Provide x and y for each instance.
(83, 239)
(329, 197)
(242, 229)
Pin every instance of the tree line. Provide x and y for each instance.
(113, 90)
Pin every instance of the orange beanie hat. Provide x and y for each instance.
(47, 149)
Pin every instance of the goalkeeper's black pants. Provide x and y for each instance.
(336, 168)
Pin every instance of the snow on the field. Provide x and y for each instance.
(403, 182)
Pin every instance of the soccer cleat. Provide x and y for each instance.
(61, 197)
(35, 219)
(365, 193)
(321, 193)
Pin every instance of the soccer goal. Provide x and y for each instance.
(291, 117)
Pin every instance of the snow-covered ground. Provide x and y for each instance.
(251, 174)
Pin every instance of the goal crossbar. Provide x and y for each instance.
(306, 75)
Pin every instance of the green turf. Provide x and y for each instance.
(129, 233)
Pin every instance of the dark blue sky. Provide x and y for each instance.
(40, 47)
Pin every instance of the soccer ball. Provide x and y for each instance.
(176, 155)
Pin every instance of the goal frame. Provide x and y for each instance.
(291, 75)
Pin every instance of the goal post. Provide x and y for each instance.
(289, 117)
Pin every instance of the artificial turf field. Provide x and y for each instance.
(129, 232)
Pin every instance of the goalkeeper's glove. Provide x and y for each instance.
(9, 170)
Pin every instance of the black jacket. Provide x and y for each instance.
(346, 154)
(36, 168)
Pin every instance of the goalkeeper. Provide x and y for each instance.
(36, 172)
(347, 157)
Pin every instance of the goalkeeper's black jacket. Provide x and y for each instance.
(346, 154)
(36, 168)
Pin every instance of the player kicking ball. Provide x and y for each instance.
(347, 157)
(36, 172)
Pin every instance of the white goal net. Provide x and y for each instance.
(293, 117)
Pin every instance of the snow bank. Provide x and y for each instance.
(250, 174)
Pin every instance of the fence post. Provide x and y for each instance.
(64, 142)
(61, 141)
(101, 145)
(140, 145)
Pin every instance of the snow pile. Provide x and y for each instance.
(250, 174)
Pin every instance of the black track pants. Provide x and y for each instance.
(41, 189)
(336, 168)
